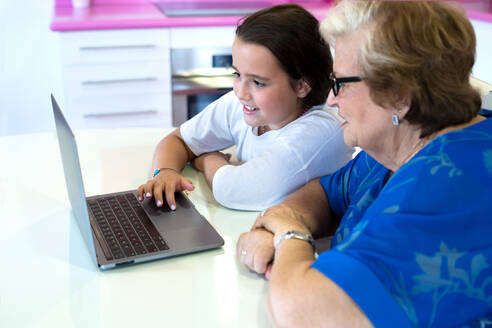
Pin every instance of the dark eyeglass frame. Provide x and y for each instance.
(337, 82)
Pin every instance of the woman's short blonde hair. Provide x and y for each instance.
(415, 52)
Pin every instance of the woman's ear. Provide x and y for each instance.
(303, 88)
(404, 107)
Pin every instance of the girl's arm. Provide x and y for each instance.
(306, 150)
(170, 156)
(209, 163)
(208, 131)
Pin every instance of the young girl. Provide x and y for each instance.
(282, 67)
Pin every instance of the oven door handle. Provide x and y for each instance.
(194, 76)
(202, 85)
(198, 91)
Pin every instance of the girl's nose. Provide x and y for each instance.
(241, 91)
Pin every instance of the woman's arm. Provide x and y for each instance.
(300, 296)
(306, 208)
(310, 206)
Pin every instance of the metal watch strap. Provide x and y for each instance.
(296, 235)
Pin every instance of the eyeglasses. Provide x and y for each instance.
(339, 83)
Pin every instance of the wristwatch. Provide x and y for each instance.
(296, 235)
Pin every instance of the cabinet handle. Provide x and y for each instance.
(123, 47)
(99, 82)
(115, 114)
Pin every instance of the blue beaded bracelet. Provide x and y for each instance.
(164, 168)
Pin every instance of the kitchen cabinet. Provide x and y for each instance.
(117, 78)
(122, 78)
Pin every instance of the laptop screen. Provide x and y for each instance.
(73, 176)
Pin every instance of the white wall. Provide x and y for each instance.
(483, 63)
(29, 66)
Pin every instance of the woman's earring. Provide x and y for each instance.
(395, 120)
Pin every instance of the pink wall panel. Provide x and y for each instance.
(68, 3)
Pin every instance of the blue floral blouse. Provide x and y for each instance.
(415, 250)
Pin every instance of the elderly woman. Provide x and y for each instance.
(412, 211)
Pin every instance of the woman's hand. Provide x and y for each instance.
(166, 181)
(278, 220)
(255, 250)
(215, 156)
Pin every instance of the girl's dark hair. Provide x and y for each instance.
(292, 35)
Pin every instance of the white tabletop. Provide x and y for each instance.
(47, 277)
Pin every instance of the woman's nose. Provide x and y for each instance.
(331, 100)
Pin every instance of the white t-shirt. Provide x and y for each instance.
(274, 164)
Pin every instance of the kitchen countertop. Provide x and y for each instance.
(147, 15)
(126, 16)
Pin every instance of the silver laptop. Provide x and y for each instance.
(120, 230)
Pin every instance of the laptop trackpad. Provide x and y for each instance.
(185, 215)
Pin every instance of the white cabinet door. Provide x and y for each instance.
(117, 78)
(115, 46)
(120, 78)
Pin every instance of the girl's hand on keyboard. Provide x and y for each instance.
(167, 182)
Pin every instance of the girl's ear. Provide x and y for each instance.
(303, 88)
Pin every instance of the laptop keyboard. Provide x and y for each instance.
(125, 227)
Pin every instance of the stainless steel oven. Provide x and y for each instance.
(199, 76)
